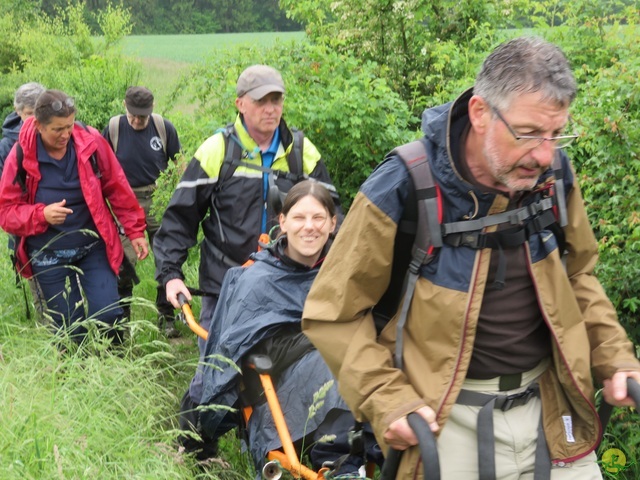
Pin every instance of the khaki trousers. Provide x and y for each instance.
(515, 431)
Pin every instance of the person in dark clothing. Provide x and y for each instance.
(10, 130)
(24, 102)
(259, 312)
(68, 236)
(233, 211)
(144, 143)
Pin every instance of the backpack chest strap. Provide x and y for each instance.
(512, 217)
(507, 238)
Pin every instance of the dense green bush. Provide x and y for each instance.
(342, 105)
(426, 46)
(606, 57)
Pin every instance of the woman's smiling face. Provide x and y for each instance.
(308, 225)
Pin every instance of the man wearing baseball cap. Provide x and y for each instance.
(233, 187)
(258, 81)
(144, 143)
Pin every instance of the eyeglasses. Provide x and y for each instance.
(276, 100)
(532, 141)
(56, 105)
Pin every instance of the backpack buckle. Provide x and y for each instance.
(417, 260)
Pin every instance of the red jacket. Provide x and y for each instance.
(19, 215)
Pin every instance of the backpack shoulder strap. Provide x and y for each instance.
(559, 190)
(158, 121)
(233, 155)
(21, 173)
(427, 236)
(232, 152)
(294, 159)
(114, 131)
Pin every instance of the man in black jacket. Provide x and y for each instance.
(234, 203)
(233, 187)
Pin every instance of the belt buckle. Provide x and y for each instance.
(517, 399)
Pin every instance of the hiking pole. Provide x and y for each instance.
(605, 410)
(428, 451)
(188, 318)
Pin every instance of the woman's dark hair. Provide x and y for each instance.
(53, 103)
(309, 187)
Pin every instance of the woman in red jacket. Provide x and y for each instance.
(53, 194)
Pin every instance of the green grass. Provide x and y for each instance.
(83, 415)
(93, 412)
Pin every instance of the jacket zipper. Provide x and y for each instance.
(564, 361)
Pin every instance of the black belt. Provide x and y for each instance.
(144, 192)
(486, 437)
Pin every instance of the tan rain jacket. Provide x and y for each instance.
(439, 333)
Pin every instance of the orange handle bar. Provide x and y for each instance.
(188, 316)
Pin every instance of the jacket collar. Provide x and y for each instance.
(286, 137)
(276, 252)
(11, 126)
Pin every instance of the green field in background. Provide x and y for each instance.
(192, 48)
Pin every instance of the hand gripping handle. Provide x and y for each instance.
(428, 451)
(189, 319)
(604, 412)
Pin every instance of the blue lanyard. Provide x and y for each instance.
(268, 156)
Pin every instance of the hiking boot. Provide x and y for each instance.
(170, 329)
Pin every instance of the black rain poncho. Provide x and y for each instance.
(259, 303)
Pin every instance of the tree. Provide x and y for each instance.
(60, 52)
(421, 43)
(185, 16)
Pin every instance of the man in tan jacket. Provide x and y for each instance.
(499, 318)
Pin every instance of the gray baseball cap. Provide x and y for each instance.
(258, 81)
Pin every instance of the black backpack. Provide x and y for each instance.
(235, 153)
(421, 232)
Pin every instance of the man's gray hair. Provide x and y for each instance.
(27, 95)
(526, 65)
